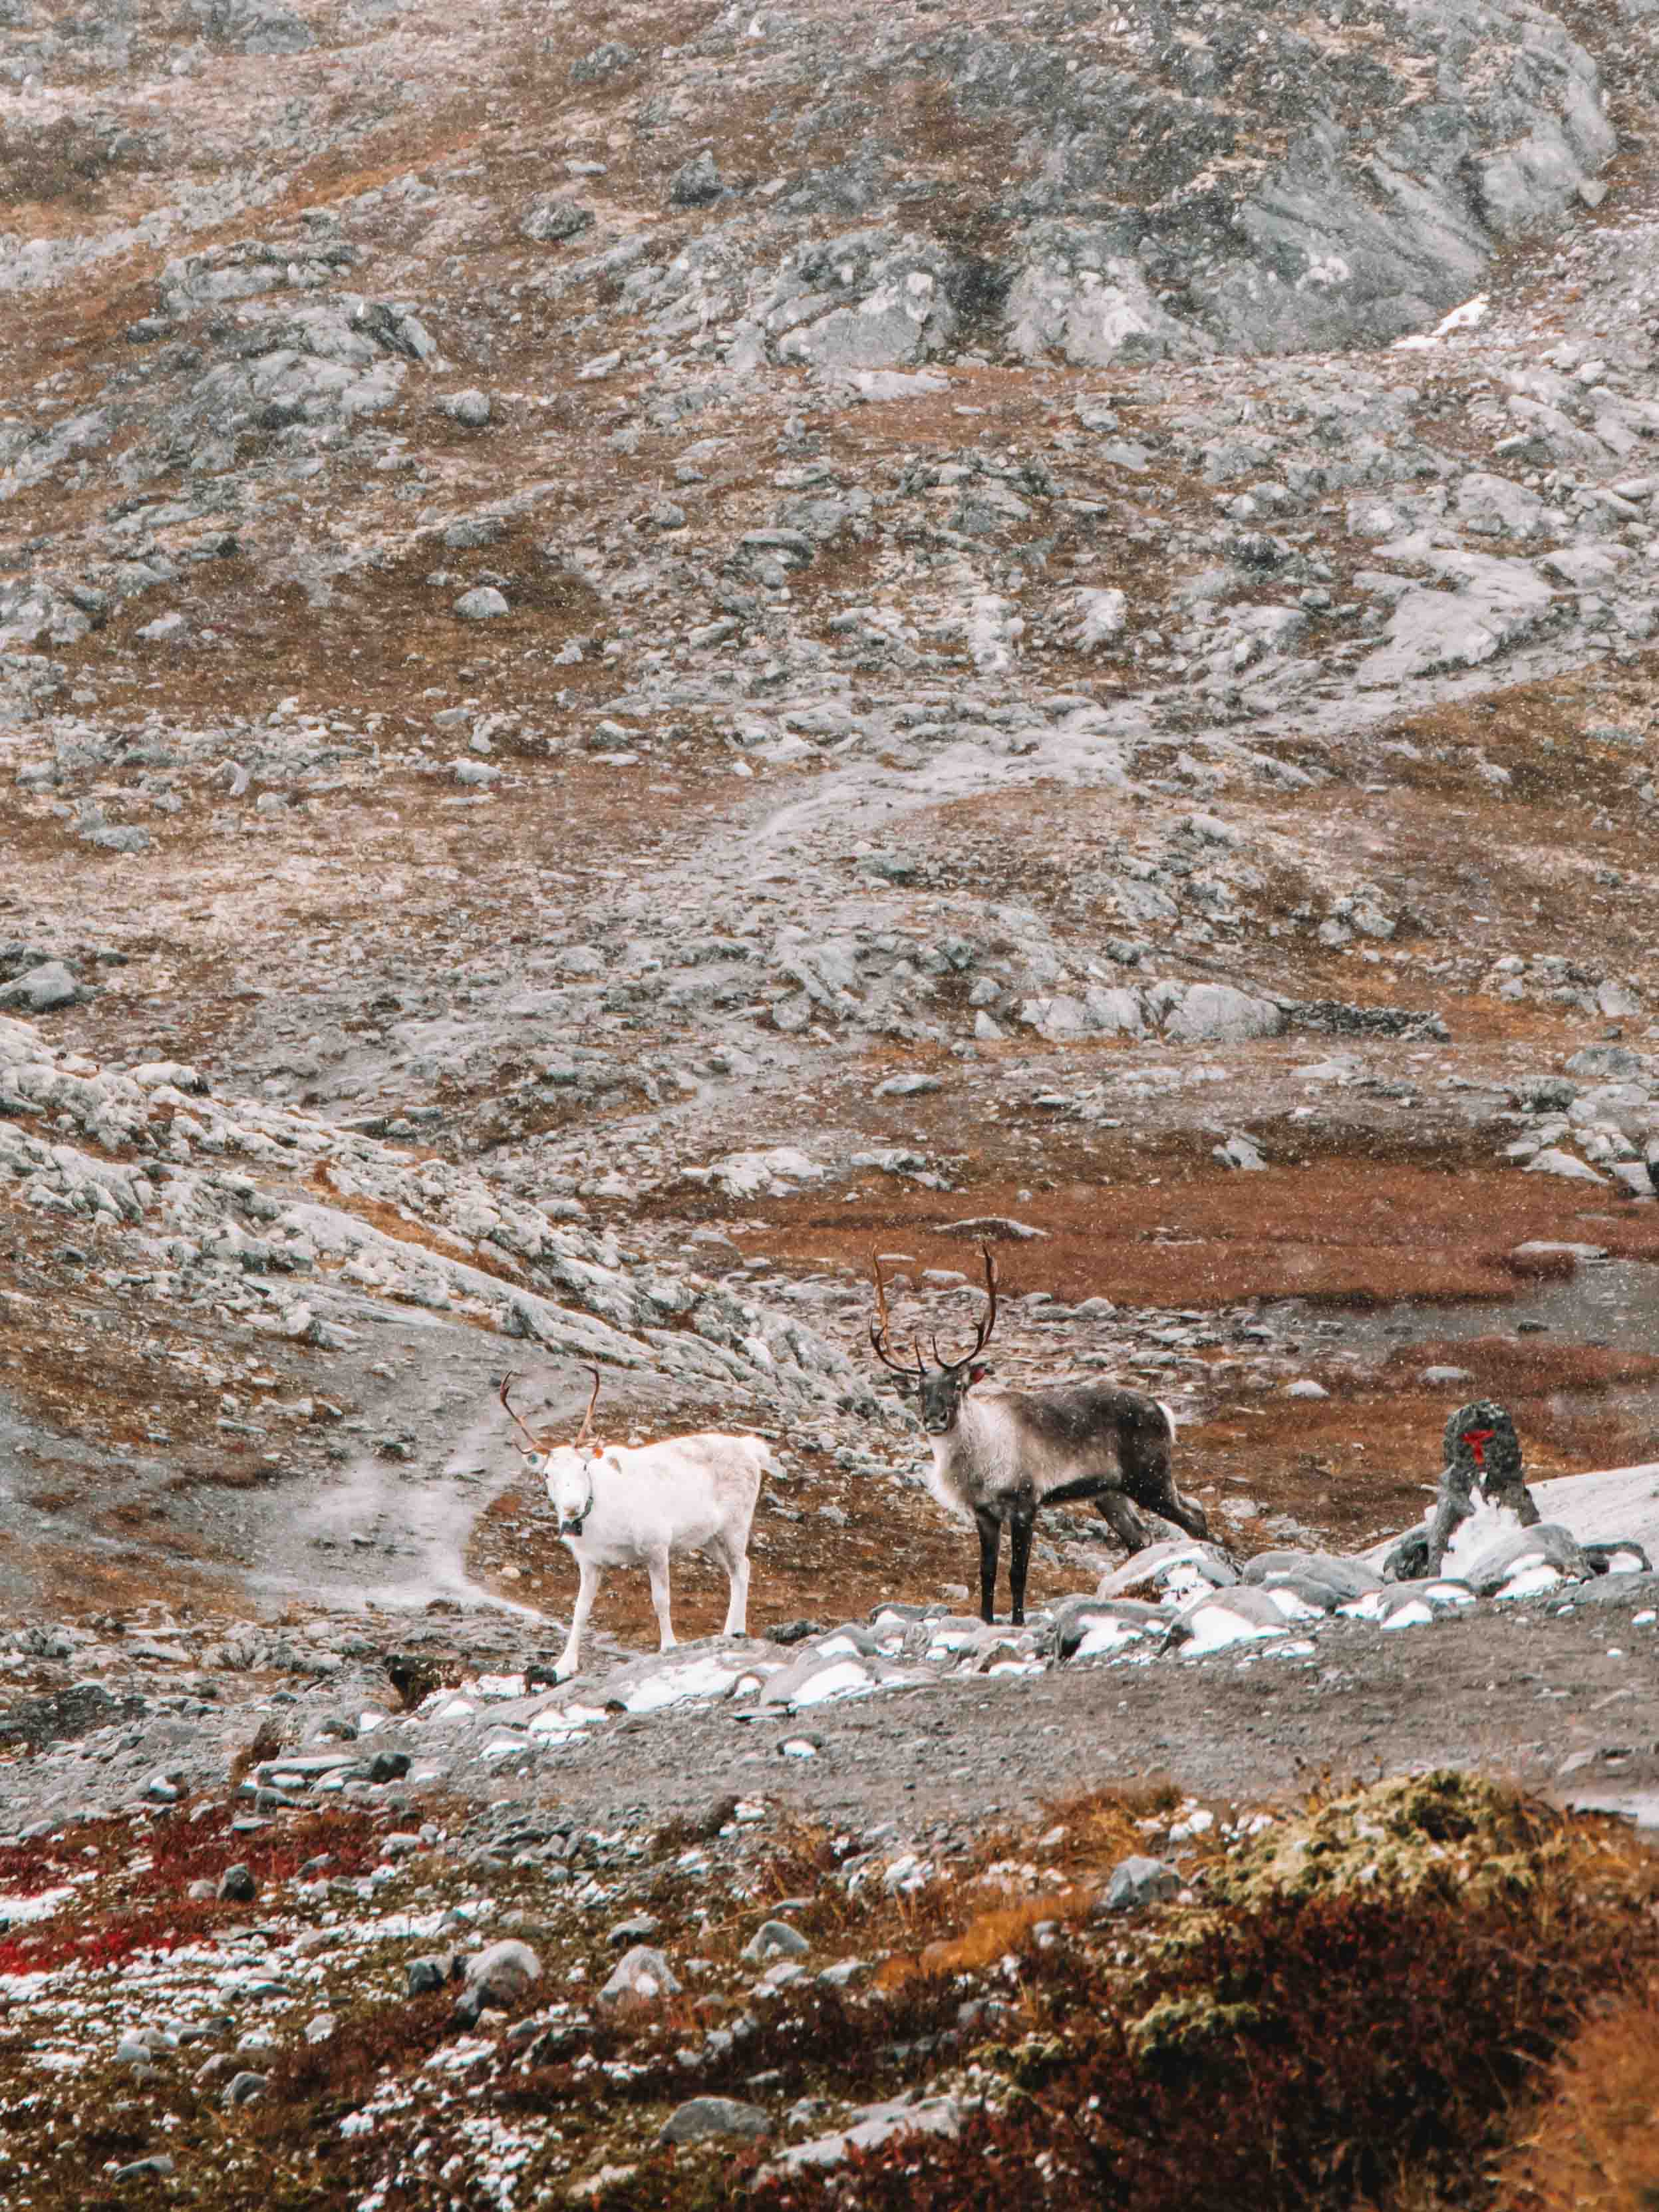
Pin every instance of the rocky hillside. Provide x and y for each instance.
(643, 652)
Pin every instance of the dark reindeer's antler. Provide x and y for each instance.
(881, 1329)
(983, 1328)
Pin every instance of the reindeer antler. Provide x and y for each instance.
(587, 1418)
(507, 1381)
(536, 1443)
(881, 1329)
(982, 1329)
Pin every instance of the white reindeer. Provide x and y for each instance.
(622, 1507)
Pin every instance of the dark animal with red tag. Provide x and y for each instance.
(998, 1455)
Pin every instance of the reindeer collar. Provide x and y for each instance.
(577, 1521)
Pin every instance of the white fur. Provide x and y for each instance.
(1486, 1526)
(649, 1504)
(978, 1461)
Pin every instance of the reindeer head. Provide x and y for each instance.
(568, 1470)
(940, 1390)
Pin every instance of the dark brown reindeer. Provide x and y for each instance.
(1000, 1454)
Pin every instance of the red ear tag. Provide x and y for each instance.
(977, 1373)
(1477, 1440)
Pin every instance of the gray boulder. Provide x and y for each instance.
(700, 2118)
(698, 184)
(1095, 1627)
(1149, 1569)
(1436, 1594)
(1218, 1013)
(1346, 1578)
(43, 990)
(871, 2125)
(1248, 1611)
(1617, 1555)
(1239, 1152)
(1138, 1882)
(500, 1974)
(1547, 1545)
(483, 603)
(470, 409)
(642, 1979)
(549, 220)
(776, 1939)
(1495, 506)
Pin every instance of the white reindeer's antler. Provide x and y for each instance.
(587, 1418)
(535, 1442)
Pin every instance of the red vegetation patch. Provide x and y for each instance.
(186, 1851)
(67, 1941)
(146, 1908)
(1357, 1230)
(1595, 2147)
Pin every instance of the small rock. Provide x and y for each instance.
(776, 1939)
(635, 1930)
(550, 221)
(642, 1978)
(237, 1886)
(470, 408)
(140, 2169)
(1239, 1152)
(1137, 1882)
(1306, 1387)
(501, 1974)
(483, 603)
(1554, 1161)
(243, 2089)
(701, 2118)
(697, 183)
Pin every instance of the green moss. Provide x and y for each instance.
(1447, 1831)
(1188, 2030)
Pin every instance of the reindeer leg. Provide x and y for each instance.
(736, 1564)
(1019, 1557)
(657, 1566)
(990, 1540)
(570, 1658)
(1183, 1511)
(1126, 1524)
